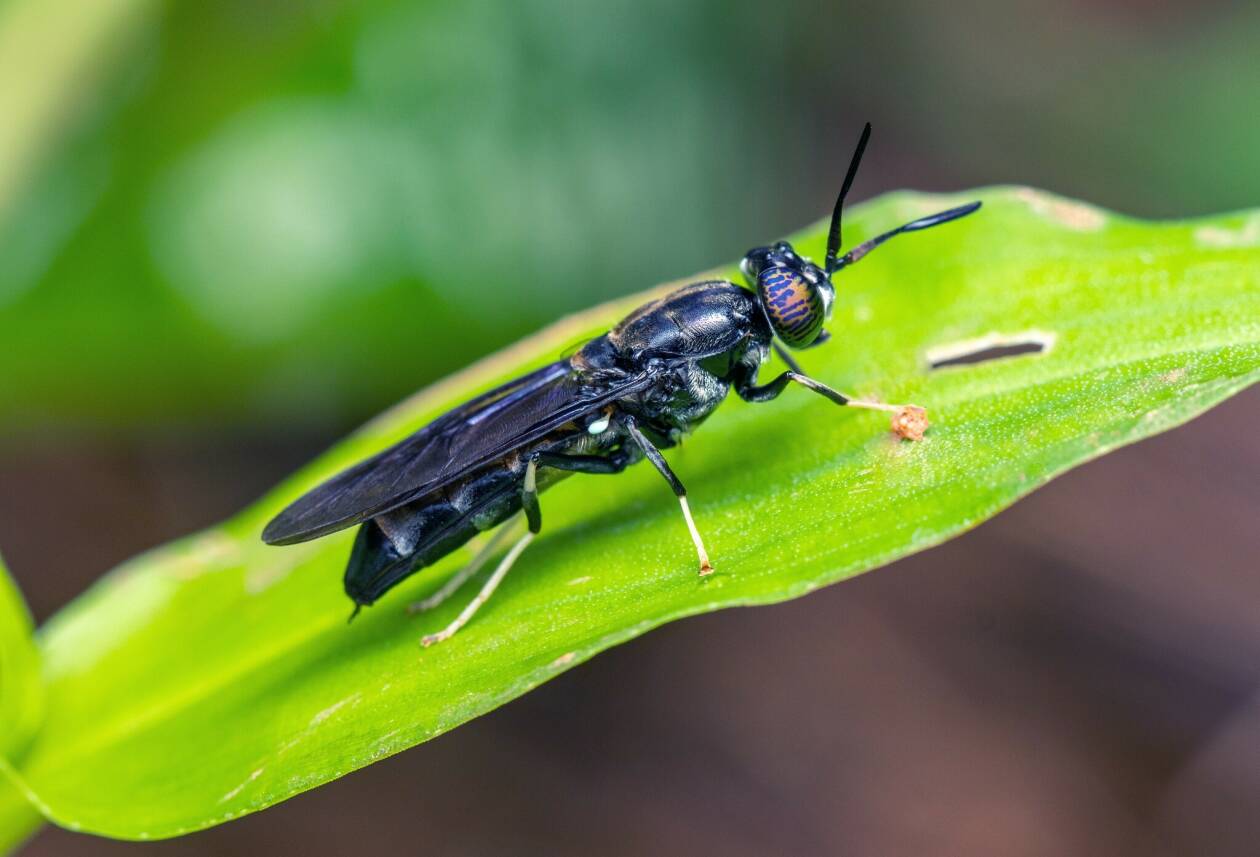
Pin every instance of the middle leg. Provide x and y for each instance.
(654, 455)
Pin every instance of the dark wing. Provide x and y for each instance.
(458, 442)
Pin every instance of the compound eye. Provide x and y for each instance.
(793, 305)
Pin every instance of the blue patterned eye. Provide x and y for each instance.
(793, 305)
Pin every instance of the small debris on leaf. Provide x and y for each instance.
(910, 422)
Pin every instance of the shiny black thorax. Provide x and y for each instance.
(699, 340)
(693, 344)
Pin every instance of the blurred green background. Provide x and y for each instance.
(231, 231)
(295, 212)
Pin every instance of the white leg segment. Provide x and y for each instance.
(505, 565)
(705, 566)
(461, 577)
(873, 406)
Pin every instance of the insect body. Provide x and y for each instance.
(623, 397)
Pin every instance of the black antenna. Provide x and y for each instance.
(354, 612)
(913, 226)
(833, 234)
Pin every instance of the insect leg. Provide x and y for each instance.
(529, 501)
(654, 455)
(788, 358)
(462, 576)
(505, 565)
(583, 463)
(909, 421)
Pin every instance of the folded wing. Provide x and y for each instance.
(456, 443)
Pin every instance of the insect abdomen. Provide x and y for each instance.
(393, 546)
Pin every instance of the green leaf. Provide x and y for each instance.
(217, 676)
(21, 704)
(18, 818)
(21, 694)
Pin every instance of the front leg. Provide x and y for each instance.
(786, 357)
(909, 421)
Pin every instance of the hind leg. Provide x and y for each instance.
(505, 565)
(529, 501)
(464, 574)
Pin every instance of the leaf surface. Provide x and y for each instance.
(216, 676)
(21, 704)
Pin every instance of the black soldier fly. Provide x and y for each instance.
(622, 397)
